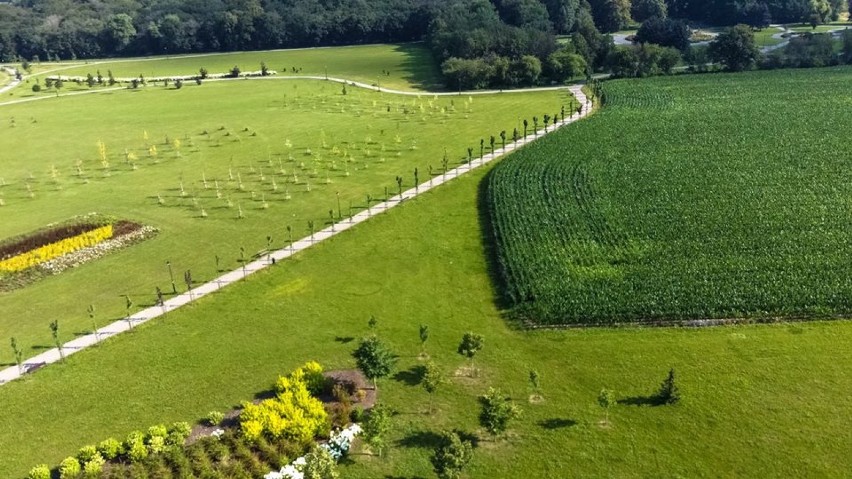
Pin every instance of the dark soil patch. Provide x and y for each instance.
(38, 239)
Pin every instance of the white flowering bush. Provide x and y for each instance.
(338, 446)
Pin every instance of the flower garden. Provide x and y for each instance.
(56, 248)
(273, 438)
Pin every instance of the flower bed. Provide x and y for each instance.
(245, 447)
(25, 259)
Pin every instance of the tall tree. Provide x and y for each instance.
(644, 9)
(735, 48)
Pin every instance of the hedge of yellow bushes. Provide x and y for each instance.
(54, 250)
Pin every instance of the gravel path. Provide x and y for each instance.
(126, 324)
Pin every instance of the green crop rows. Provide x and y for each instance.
(684, 199)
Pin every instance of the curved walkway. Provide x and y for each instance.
(128, 323)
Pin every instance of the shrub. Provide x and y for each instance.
(94, 466)
(357, 415)
(178, 433)
(87, 453)
(39, 472)
(109, 449)
(36, 88)
(319, 464)
(156, 444)
(214, 418)
(452, 456)
(158, 431)
(69, 468)
(135, 447)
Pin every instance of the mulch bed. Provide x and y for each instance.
(351, 379)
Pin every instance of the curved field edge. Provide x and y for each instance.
(424, 263)
(688, 198)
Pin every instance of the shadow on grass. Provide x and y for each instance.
(556, 423)
(344, 339)
(404, 477)
(421, 439)
(652, 400)
(492, 250)
(411, 376)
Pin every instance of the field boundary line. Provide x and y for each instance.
(268, 259)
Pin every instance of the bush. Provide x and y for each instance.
(135, 447)
(94, 466)
(69, 468)
(39, 472)
(178, 433)
(319, 464)
(214, 418)
(36, 88)
(158, 431)
(87, 453)
(156, 444)
(109, 449)
(357, 415)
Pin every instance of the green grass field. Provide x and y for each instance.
(248, 125)
(763, 401)
(723, 215)
(410, 65)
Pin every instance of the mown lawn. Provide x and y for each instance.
(764, 401)
(230, 133)
(408, 66)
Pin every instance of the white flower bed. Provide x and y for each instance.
(76, 258)
(338, 446)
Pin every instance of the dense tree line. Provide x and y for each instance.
(479, 43)
(756, 12)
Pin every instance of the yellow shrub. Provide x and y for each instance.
(293, 414)
(54, 250)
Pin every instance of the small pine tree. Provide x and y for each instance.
(669, 392)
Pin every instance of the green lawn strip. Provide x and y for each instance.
(190, 242)
(722, 215)
(410, 66)
(759, 400)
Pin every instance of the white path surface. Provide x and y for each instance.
(120, 326)
(12, 84)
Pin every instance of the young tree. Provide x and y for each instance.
(470, 344)
(503, 138)
(452, 456)
(433, 378)
(497, 411)
(606, 399)
(235, 72)
(18, 355)
(202, 73)
(535, 383)
(374, 359)
(264, 71)
(54, 332)
(376, 427)
(372, 323)
(735, 48)
(669, 392)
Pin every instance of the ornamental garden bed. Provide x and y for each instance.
(269, 437)
(58, 247)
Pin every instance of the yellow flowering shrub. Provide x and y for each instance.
(293, 414)
(54, 250)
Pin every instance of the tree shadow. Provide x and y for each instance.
(404, 477)
(652, 401)
(344, 339)
(411, 376)
(556, 423)
(421, 439)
